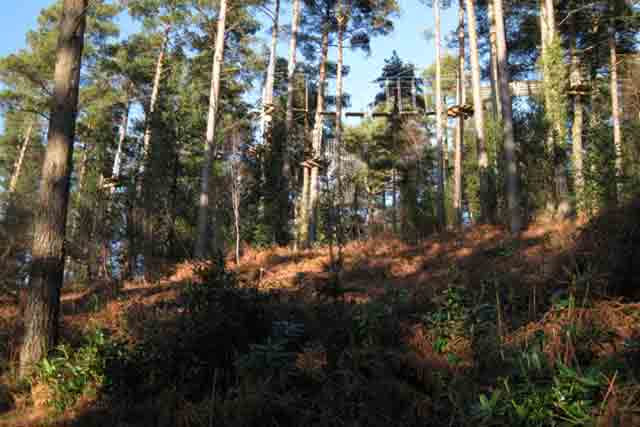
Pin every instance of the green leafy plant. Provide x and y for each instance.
(539, 394)
(368, 320)
(450, 319)
(71, 373)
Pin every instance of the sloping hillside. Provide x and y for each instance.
(466, 328)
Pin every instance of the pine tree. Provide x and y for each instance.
(511, 162)
(199, 250)
(43, 303)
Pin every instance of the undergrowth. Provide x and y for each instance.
(476, 350)
(69, 373)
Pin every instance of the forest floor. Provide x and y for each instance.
(434, 333)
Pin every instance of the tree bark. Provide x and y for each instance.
(17, 167)
(293, 47)
(43, 296)
(302, 214)
(279, 205)
(511, 169)
(267, 117)
(461, 100)
(558, 203)
(312, 208)
(486, 211)
(117, 160)
(236, 193)
(615, 110)
(441, 212)
(495, 99)
(544, 42)
(559, 155)
(199, 250)
(578, 123)
(342, 18)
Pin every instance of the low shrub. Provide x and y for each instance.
(70, 373)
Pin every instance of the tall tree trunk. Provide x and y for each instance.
(342, 18)
(117, 160)
(291, 140)
(495, 99)
(142, 222)
(461, 100)
(279, 198)
(558, 202)
(314, 187)
(146, 146)
(302, 214)
(439, 119)
(236, 193)
(510, 155)
(47, 270)
(17, 167)
(551, 197)
(615, 109)
(578, 122)
(267, 117)
(486, 209)
(199, 250)
(559, 156)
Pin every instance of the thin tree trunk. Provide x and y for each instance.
(236, 193)
(199, 250)
(578, 123)
(371, 206)
(511, 167)
(394, 201)
(342, 19)
(117, 160)
(486, 211)
(278, 217)
(312, 208)
(47, 269)
(293, 47)
(461, 100)
(146, 146)
(115, 171)
(142, 211)
(383, 208)
(551, 197)
(302, 214)
(495, 99)
(236, 223)
(17, 167)
(439, 118)
(267, 117)
(615, 110)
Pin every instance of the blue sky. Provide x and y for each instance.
(407, 40)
